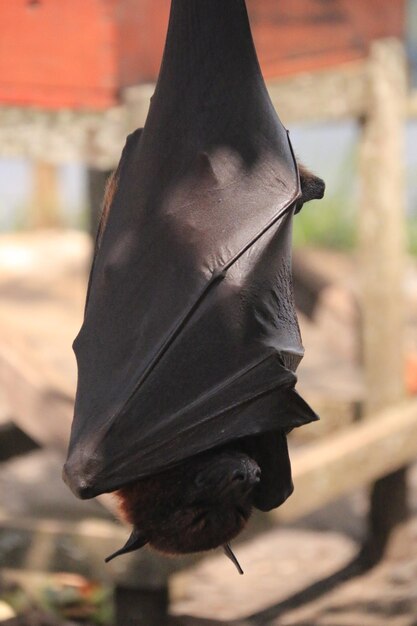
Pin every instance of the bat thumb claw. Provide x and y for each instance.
(135, 542)
(229, 553)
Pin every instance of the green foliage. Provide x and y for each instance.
(16, 598)
(67, 597)
(329, 223)
(90, 602)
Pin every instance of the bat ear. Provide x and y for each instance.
(135, 542)
(229, 553)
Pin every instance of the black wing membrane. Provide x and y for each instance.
(190, 337)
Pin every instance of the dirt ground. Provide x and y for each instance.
(384, 596)
(306, 576)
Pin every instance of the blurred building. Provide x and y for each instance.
(82, 53)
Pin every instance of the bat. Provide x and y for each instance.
(190, 340)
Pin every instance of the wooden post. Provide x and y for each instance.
(45, 201)
(141, 607)
(382, 256)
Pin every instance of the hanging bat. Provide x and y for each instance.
(190, 340)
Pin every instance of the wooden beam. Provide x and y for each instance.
(336, 93)
(87, 542)
(14, 442)
(39, 399)
(356, 456)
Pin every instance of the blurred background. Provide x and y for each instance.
(76, 77)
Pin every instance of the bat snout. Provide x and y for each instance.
(248, 473)
(312, 187)
(319, 189)
(228, 473)
(244, 478)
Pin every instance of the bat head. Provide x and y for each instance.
(199, 505)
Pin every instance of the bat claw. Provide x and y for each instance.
(229, 553)
(135, 542)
